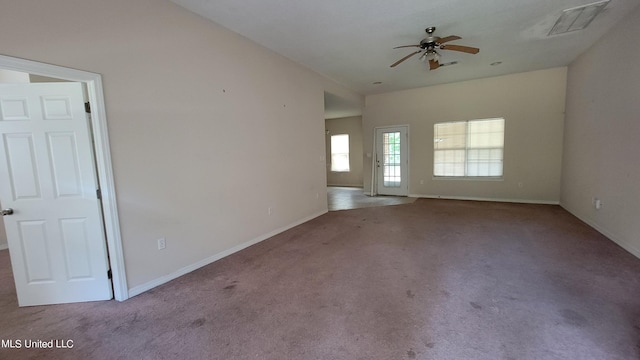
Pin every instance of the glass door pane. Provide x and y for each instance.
(392, 176)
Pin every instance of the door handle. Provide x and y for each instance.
(6, 212)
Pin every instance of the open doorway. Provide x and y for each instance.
(343, 150)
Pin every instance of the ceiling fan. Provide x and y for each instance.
(429, 45)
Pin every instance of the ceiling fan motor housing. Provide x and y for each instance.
(429, 43)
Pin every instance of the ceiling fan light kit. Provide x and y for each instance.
(429, 45)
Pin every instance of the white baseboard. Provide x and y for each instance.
(187, 269)
(610, 235)
(4, 246)
(345, 185)
(521, 201)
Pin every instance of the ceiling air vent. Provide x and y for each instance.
(577, 18)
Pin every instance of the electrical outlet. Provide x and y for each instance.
(269, 210)
(597, 203)
(162, 243)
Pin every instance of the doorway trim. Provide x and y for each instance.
(102, 153)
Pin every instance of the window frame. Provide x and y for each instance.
(466, 150)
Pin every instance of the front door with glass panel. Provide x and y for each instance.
(392, 161)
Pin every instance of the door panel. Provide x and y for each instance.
(36, 255)
(47, 173)
(14, 108)
(65, 166)
(56, 108)
(20, 154)
(76, 248)
(392, 161)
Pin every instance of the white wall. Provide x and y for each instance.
(533, 107)
(602, 135)
(207, 129)
(351, 126)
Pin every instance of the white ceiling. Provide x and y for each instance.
(351, 41)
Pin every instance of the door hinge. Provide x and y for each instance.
(99, 194)
(109, 275)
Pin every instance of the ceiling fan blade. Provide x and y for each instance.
(404, 46)
(405, 58)
(467, 49)
(448, 38)
(433, 64)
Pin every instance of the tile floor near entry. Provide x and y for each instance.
(344, 198)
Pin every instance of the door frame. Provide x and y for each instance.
(102, 152)
(374, 172)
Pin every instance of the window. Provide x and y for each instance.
(391, 154)
(340, 153)
(471, 148)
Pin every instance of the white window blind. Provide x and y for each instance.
(473, 148)
(340, 153)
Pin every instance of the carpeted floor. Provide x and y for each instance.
(435, 279)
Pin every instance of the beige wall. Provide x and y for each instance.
(207, 129)
(351, 126)
(9, 76)
(533, 107)
(42, 79)
(602, 135)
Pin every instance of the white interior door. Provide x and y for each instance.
(392, 161)
(48, 182)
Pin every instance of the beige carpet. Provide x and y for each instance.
(435, 279)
